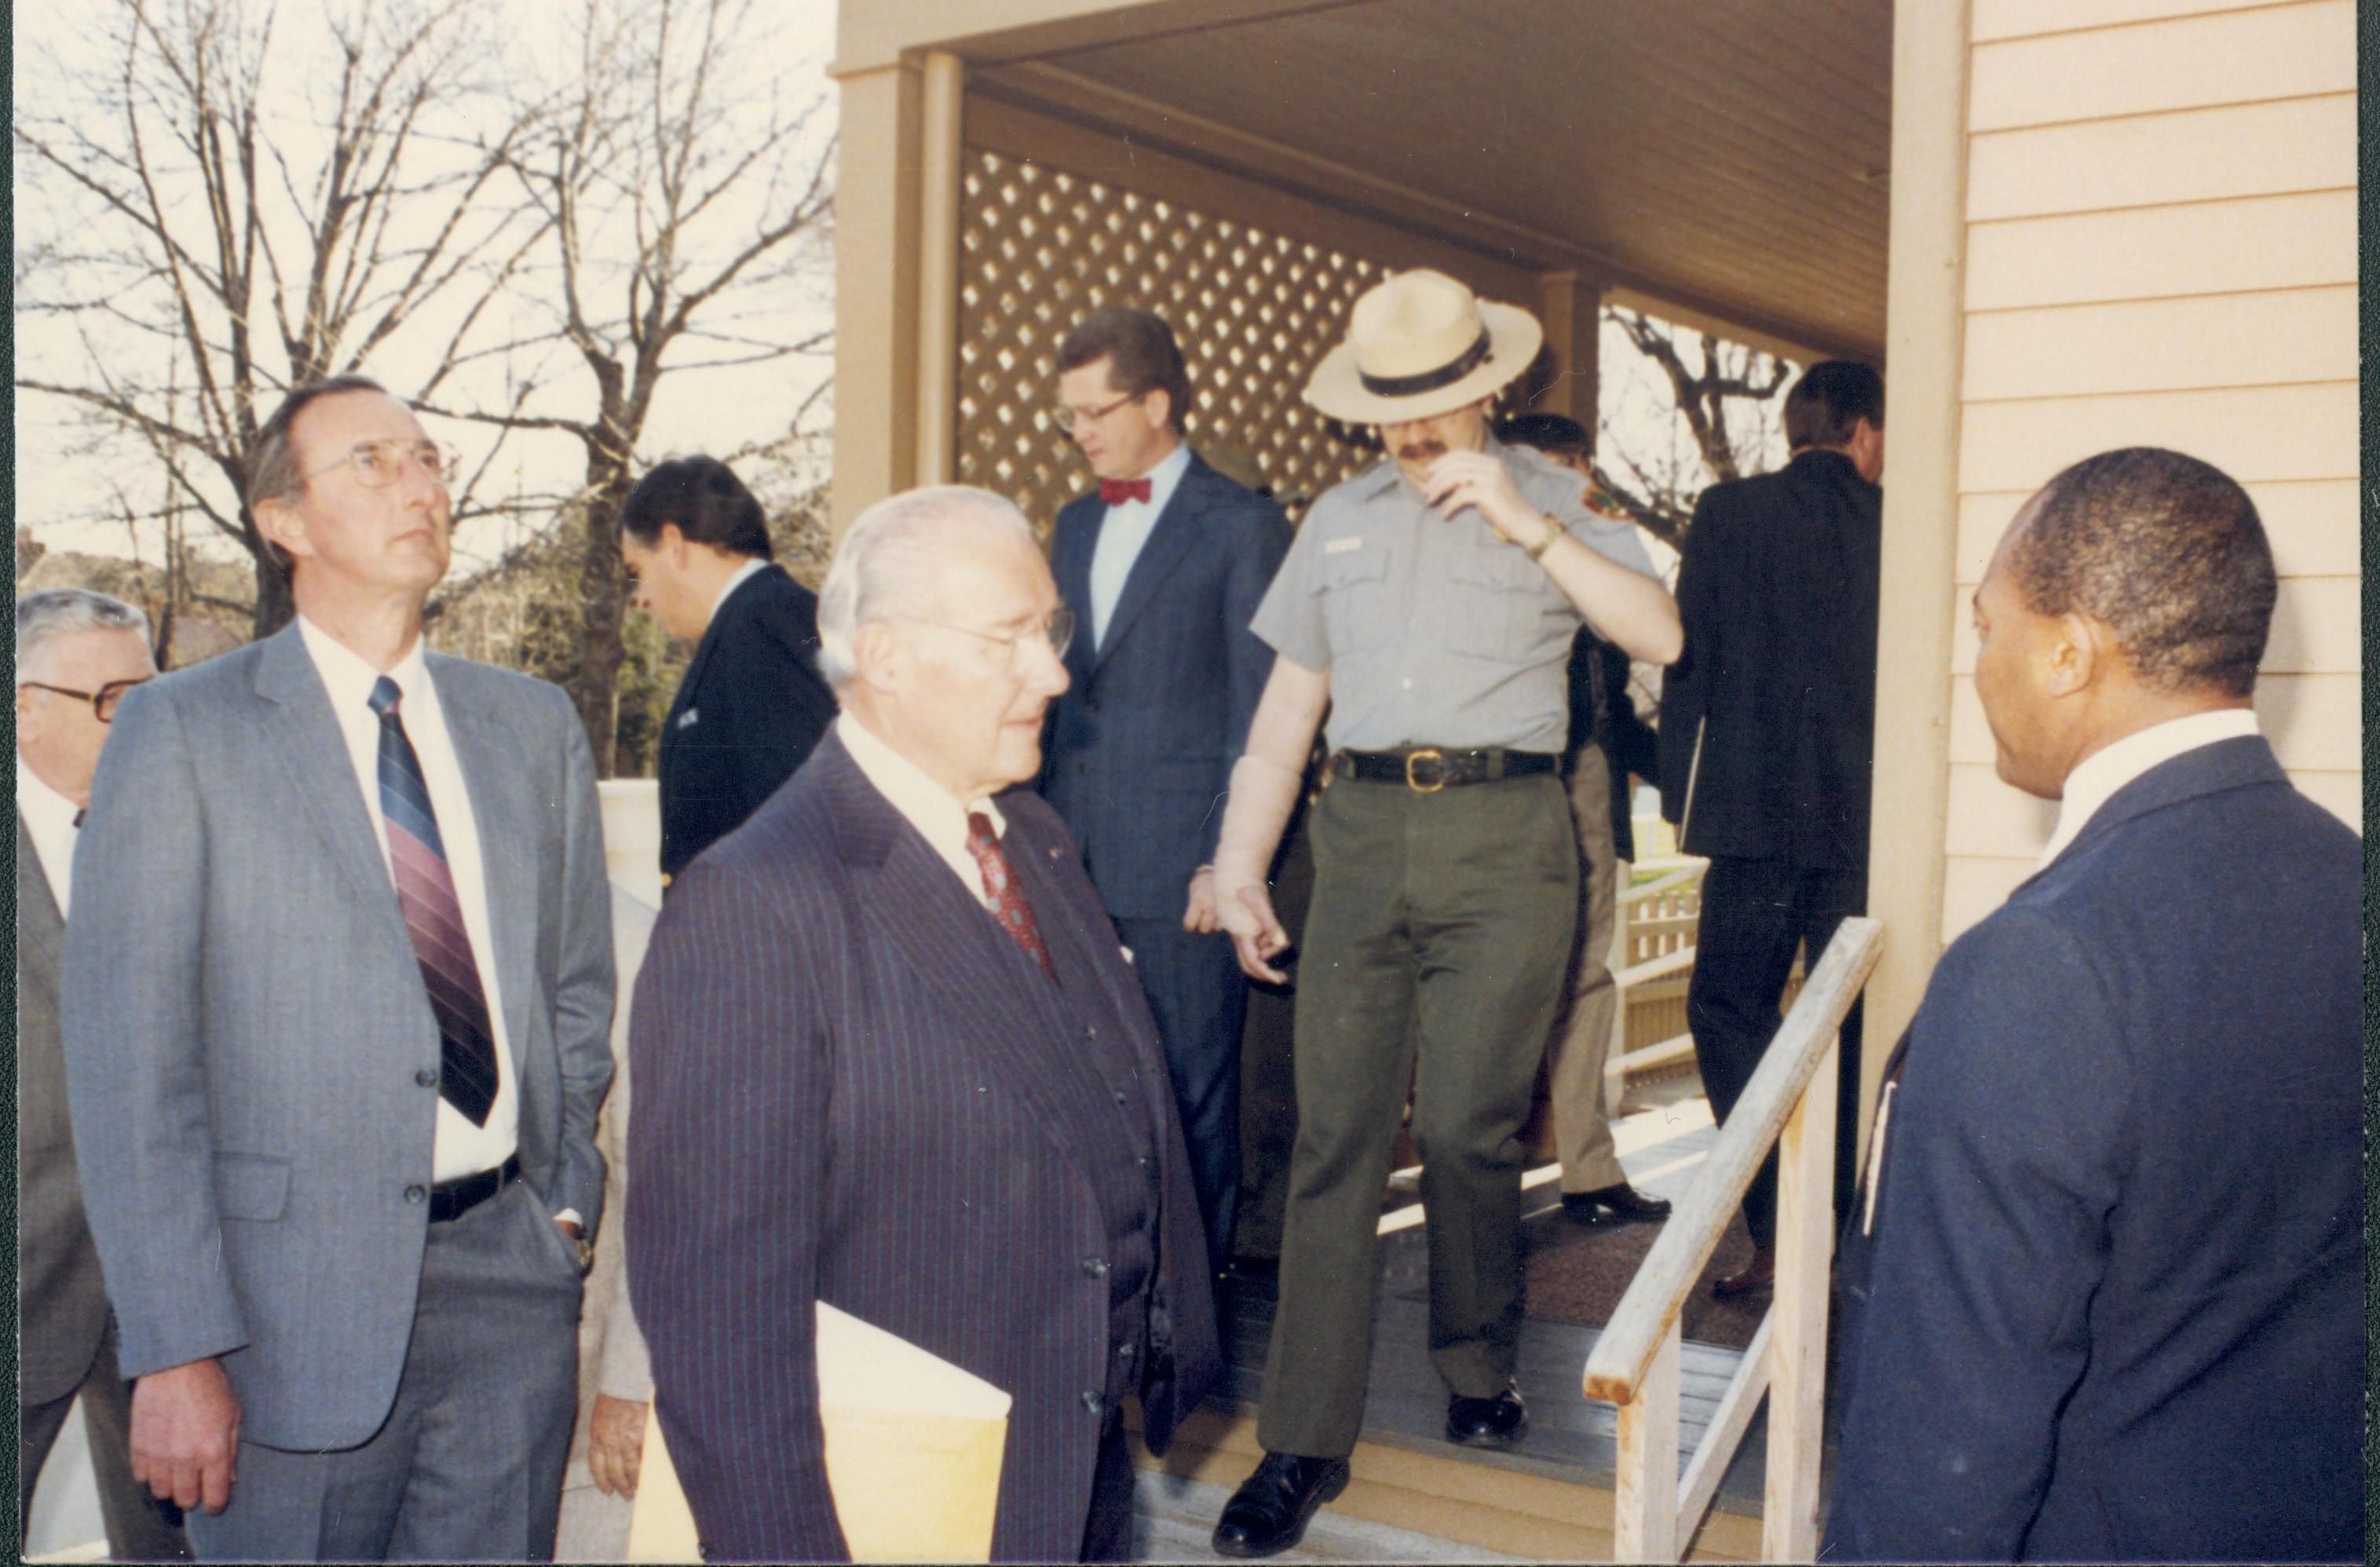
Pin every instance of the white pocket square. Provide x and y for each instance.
(686, 718)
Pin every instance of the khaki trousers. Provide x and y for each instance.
(1582, 1041)
(1433, 953)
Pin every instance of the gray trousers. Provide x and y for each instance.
(1434, 952)
(468, 1467)
(140, 1527)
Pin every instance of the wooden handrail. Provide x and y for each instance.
(1648, 1312)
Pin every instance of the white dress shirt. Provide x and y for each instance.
(460, 1148)
(933, 810)
(1124, 532)
(2103, 773)
(744, 574)
(49, 818)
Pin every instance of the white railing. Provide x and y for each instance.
(1790, 1103)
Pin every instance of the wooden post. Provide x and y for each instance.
(1797, 1380)
(875, 289)
(941, 189)
(1644, 1489)
(1571, 309)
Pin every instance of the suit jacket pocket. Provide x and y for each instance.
(250, 1185)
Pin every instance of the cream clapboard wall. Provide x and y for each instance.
(2161, 251)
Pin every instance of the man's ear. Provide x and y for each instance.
(877, 652)
(670, 544)
(2079, 651)
(279, 522)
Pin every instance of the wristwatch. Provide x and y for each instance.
(1536, 551)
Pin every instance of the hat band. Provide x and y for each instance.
(1471, 359)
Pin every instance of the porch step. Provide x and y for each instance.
(1435, 1503)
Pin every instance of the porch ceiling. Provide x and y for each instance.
(1728, 154)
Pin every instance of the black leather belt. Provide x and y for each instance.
(452, 1199)
(1426, 769)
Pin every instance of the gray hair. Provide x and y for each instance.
(886, 561)
(54, 612)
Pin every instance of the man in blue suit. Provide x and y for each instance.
(2105, 1292)
(1163, 568)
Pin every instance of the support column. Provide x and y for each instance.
(1925, 323)
(1571, 307)
(942, 191)
(876, 288)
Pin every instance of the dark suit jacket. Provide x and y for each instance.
(751, 705)
(1768, 718)
(2112, 1307)
(1602, 714)
(61, 1298)
(1141, 746)
(850, 1088)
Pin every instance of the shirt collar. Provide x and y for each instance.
(2104, 772)
(746, 573)
(931, 808)
(350, 676)
(43, 808)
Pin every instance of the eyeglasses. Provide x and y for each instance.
(1069, 420)
(103, 701)
(378, 462)
(1056, 632)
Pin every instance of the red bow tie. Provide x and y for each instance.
(1116, 492)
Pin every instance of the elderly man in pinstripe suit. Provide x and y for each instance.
(889, 1055)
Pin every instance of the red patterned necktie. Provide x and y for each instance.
(433, 916)
(1116, 492)
(1008, 904)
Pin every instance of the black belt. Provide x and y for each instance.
(452, 1199)
(1426, 769)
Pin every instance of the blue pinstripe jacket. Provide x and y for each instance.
(850, 1087)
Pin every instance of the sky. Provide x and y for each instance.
(65, 501)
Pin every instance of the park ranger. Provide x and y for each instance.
(1429, 603)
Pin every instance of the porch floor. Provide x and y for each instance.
(1570, 1441)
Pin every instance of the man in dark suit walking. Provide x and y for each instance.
(1163, 568)
(889, 1055)
(1768, 734)
(2105, 1296)
(334, 1000)
(78, 653)
(752, 703)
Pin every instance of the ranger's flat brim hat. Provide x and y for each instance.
(1419, 344)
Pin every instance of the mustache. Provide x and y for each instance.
(1420, 451)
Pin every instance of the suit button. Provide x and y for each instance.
(1141, 1159)
(1094, 1402)
(425, 1078)
(1090, 1031)
(1119, 1096)
(1124, 1351)
(417, 1195)
(1094, 1267)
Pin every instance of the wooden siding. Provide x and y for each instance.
(2161, 250)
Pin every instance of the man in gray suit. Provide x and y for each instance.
(78, 653)
(336, 1000)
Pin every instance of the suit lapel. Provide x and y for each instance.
(304, 733)
(41, 931)
(1070, 563)
(508, 829)
(994, 1001)
(1176, 532)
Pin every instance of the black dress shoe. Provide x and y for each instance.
(1486, 1422)
(1269, 1513)
(1610, 1206)
(1758, 1274)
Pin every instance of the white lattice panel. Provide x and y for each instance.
(1252, 312)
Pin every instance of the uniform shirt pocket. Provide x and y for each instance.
(1496, 605)
(1352, 586)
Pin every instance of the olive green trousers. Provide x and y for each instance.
(1433, 954)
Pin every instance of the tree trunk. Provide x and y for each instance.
(603, 606)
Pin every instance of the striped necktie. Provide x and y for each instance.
(433, 917)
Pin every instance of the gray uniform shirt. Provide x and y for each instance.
(1435, 631)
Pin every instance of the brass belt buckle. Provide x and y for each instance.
(1437, 779)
